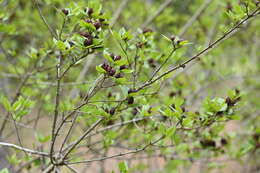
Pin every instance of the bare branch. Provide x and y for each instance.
(120, 154)
(24, 149)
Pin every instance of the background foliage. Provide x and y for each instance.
(85, 86)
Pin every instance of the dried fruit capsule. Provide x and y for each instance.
(109, 95)
(146, 30)
(117, 58)
(122, 67)
(97, 25)
(88, 20)
(90, 11)
(85, 34)
(134, 111)
(130, 100)
(101, 19)
(223, 141)
(105, 66)
(111, 72)
(208, 143)
(118, 75)
(173, 37)
(65, 11)
(88, 41)
(112, 111)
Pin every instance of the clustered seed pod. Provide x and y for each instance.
(97, 24)
(223, 141)
(65, 11)
(130, 100)
(112, 111)
(151, 63)
(108, 69)
(88, 41)
(134, 111)
(173, 37)
(147, 30)
(90, 11)
(172, 94)
(118, 75)
(109, 95)
(208, 143)
(88, 20)
(85, 34)
(231, 102)
(122, 67)
(117, 58)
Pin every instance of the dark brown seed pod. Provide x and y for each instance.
(208, 143)
(146, 30)
(65, 11)
(172, 94)
(85, 34)
(134, 111)
(111, 72)
(105, 66)
(130, 100)
(223, 141)
(122, 67)
(112, 111)
(90, 11)
(109, 95)
(118, 75)
(97, 25)
(117, 58)
(173, 37)
(101, 20)
(88, 41)
(88, 20)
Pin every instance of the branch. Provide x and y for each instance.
(44, 20)
(195, 17)
(197, 56)
(157, 13)
(74, 144)
(118, 12)
(120, 154)
(24, 149)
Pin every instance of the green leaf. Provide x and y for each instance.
(87, 26)
(123, 167)
(107, 55)
(5, 170)
(6, 103)
(100, 69)
(127, 71)
(178, 101)
(41, 138)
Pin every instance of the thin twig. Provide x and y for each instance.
(195, 17)
(120, 154)
(157, 13)
(44, 20)
(75, 143)
(24, 149)
(197, 56)
(118, 12)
